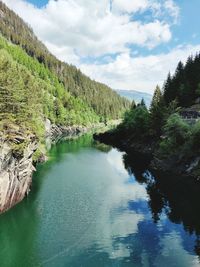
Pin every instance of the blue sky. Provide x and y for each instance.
(38, 3)
(132, 45)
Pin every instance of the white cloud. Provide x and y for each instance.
(90, 28)
(172, 8)
(139, 73)
(172, 248)
(160, 8)
(75, 29)
(130, 6)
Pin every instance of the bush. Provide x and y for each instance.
(175, 136)
(137, 121)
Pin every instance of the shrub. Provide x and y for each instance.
(176, 134)
(137, 121)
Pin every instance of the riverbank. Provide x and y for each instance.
(20, 153)
(18, 159)
(178, 164)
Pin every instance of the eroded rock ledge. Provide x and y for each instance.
(15, 173)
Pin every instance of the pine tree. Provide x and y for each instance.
(157, 110)
(166, 89)
(142, 103)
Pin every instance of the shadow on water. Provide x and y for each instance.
(177, 197)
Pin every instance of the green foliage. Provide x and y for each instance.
(40, 152)
(198, 90)
(163, 127)
(184, 84)
(20, 96)
(176, 133)
(98, 98)
(133, 105)
(29, 93)
(195, 137)
(157, 112)
(136, 121)
(142, 103)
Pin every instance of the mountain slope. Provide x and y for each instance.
(136, 96)
(40, 97)
(29, 92)
(104, 101)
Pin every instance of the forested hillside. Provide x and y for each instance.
(30, 93)
(105, 102)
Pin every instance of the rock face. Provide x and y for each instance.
(15, 174)
(60, 131)
(54, 131)
(16, 169)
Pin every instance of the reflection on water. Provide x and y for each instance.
(94, 206)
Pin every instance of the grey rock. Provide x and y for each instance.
(15, 174)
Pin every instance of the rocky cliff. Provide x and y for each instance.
(15, 173)
(55, 132)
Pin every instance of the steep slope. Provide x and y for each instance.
(40, 94)
(30, 95)
(105, 102)
(24, 80)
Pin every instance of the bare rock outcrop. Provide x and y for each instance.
(15, 173)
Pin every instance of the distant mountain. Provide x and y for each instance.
(136, 96)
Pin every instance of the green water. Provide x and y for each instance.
(86, 209)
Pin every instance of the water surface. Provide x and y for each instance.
(93, 206)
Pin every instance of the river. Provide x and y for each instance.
(93, 206)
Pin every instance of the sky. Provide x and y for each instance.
(127, 44)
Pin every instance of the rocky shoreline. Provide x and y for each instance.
(16, 169)
(55, 132)
(176, 165)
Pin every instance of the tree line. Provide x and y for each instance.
(163, 124)
(30, 93)
(106, 103)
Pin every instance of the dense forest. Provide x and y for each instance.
(184, 85)
(170, 128)
(30, 93)
(106, 103)
(35, 86)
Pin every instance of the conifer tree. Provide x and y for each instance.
(157, 109)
